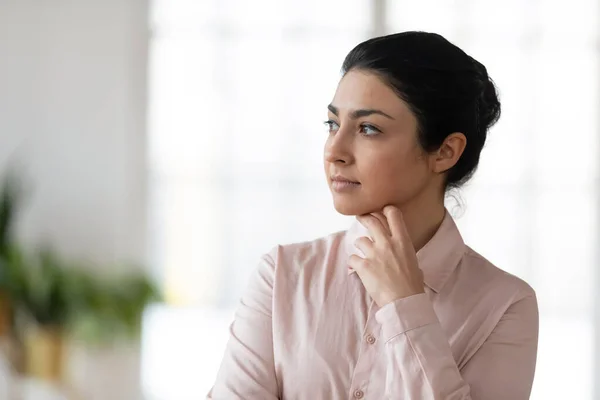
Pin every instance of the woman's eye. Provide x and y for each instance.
(369, 130)
(332, 126)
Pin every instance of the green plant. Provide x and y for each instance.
(10, 272)
(57, 293)
(45, 296)
(11, 277)
(95, 309)
(9, 196)
(13, 267)
(113, 308)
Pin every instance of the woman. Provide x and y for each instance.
(397, 307)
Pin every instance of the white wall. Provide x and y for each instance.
(72, 112)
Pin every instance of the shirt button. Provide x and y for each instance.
(358, 394)
(371, 339)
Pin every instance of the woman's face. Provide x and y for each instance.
(372, 154)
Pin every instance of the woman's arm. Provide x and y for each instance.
(247, 371)
(420, 364)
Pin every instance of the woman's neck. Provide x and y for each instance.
(422, 220)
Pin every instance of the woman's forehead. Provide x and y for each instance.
(363, 90)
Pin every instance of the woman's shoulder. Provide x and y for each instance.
(483, 272)
(294, 252)
(308, 256)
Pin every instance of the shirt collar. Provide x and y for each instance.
(437, 259)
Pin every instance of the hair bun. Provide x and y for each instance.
(488, 105)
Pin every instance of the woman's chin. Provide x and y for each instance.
(352, 205)
(345, 207)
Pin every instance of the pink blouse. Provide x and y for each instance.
(306, 329)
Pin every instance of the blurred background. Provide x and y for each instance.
(160, 147)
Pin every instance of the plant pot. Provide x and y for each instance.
(5, 316)
(44, 349)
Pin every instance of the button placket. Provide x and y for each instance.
(367, 356)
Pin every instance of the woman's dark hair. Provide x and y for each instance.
(447, 90)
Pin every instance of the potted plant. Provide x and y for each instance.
(110, 309)
(10, 278)
(48, 310)
(62, 300)
(46, 300)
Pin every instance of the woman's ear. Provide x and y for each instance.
(449, 152)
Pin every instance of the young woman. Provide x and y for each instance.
(397, 307)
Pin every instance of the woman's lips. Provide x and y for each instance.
(343, 185)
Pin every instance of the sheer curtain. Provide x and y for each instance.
(238, 92)
(237, 95)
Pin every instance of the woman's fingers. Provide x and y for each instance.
(396, 223)
(357, 263)
(365, 245)
(378, 232)
(382, 218)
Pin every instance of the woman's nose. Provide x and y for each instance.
(338, 148)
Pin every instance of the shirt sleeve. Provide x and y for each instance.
(247, 370)
(420, 364)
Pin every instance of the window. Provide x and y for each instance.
(237, 96)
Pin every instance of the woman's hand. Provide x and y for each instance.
(390, 270)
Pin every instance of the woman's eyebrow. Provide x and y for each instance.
(355, 114)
